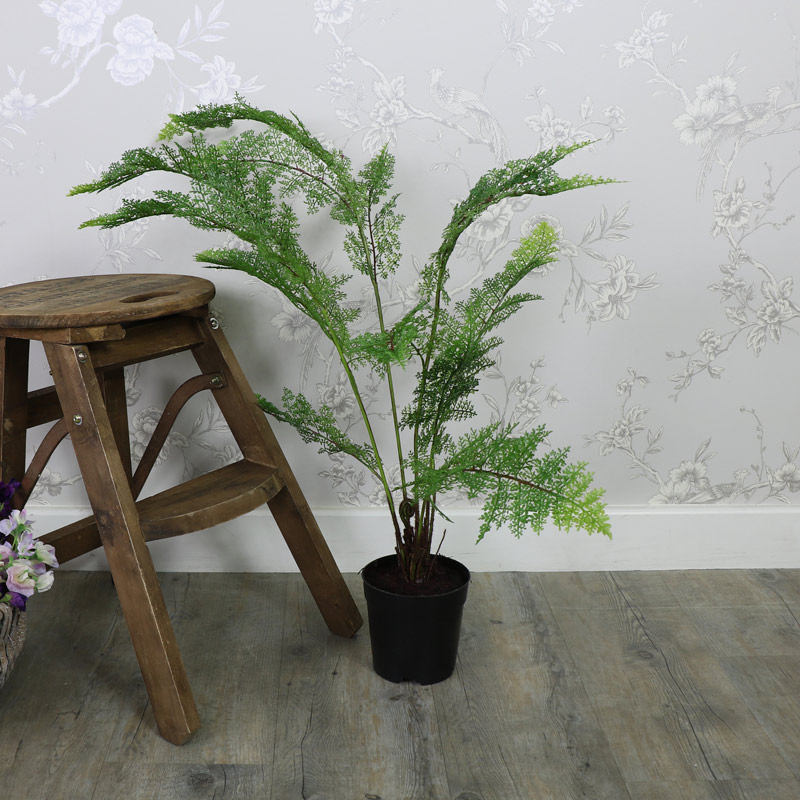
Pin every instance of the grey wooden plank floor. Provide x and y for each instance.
(624, 686)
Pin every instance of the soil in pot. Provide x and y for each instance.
(414, 628)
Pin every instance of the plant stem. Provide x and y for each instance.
(372, 253)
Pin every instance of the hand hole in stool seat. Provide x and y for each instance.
(141, 298)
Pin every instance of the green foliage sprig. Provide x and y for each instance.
(244, 184)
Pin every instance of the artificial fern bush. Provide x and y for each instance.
(242, 184)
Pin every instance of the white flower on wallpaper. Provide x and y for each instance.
(757, 302)
(338, 396)
(731, 209)
(80, 22)
(222, 84)
(87, 28)
(331, 12)
(493, 224)
(389, 112)
(292, 324)
(690, 480)
(142, 425)
(552, 130)
(51, 484)
(641, 44)
(586, 125)
(16, 104)
(520, 400)
(137, 49)
(600, 299)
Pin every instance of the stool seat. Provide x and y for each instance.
(94, 300)
(91, 328)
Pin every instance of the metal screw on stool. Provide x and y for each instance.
(216, 381)
(78, 419)
(82, 356)
(213, 322)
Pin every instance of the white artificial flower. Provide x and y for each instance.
(137, 47)
(45, 581)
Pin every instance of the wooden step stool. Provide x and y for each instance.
(91, 328)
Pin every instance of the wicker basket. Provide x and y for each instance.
(13, 624)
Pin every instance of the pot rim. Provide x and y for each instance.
(463, 569)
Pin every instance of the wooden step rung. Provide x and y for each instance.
(200, 503)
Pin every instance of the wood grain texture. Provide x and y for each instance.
(14, 355)
(531, 724)
(97, 300)
(91, 396)
(341, 731)
(607, 700)
(664, 700)
(258, 444)
(120, 531)
(230, 638)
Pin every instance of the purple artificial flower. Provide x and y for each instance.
(20, 578)
(26, 545)
(6, 493)
(18, 600)
(15, 519)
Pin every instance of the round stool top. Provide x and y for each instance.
(100, 300)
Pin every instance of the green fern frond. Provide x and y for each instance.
(249, 182)
(319, 427)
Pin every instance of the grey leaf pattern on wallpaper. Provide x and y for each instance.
(452, 96)
(691, 480)
(757, 302)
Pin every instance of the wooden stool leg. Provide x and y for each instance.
(13, 407)
(291, 511)
(117, 407)
(118, 523)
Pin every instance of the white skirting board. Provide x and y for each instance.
(645, 538)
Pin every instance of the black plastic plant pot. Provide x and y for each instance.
(414, 637)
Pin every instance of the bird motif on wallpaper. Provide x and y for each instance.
(740, 122)
(463, 103)
(723, 492)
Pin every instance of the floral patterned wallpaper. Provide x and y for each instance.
(665, 351)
